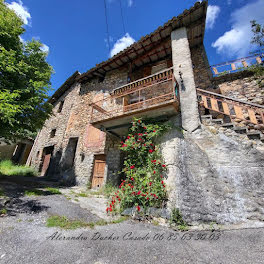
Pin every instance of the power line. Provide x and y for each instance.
(107, 26)
(122, 17)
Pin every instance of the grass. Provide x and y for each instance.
(34, 192)
(83, 194)
(10, 169)
(3, 211)
(106, 190)
(65, 223)
(53, 190)
(2, 194)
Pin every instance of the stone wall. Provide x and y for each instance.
(201, 68)
(74, 122)
(243, 88)
(213, 178)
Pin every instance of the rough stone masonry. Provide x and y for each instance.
(211, 177)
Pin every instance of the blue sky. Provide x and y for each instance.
(74, 32)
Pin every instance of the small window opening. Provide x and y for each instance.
(60, 106)
(53, 133)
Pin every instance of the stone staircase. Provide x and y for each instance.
(234, 130)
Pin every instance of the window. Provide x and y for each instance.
(53, 133)
(60, 106)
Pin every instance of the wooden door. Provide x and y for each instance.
(98, 171)
(46, 163)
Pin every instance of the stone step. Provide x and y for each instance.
(217, 121)
(227, 125)
(206, 117)
(254, 135)
(240, 130)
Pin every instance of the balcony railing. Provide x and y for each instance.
(236, 65)
(153, 91)
(234, 108)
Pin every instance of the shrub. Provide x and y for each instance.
(143, 167)
(9, 169)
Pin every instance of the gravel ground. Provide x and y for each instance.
(24, 238)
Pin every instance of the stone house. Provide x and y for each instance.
(211, 176)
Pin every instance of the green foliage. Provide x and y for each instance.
(143, 167)
(53, 190)
(34, 192)
(64, 223)
(106, 190)
(9, 169)
(2, 193)
(24, 79)
(176, 219)
(3, 211)
(258, 31)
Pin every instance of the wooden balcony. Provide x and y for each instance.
(153, 96)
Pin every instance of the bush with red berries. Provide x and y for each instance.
(144, 169)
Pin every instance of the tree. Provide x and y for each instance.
(258, 31)
(24, 79)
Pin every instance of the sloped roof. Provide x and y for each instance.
(193, 19)
(67, 84)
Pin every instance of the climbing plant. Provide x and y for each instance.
(144, 169)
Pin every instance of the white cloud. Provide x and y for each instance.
(130, 3)
(20, 10)
(45, 48)
(212, 14)
(121, 44)
(236, 42)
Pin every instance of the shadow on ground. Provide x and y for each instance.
(16, 194)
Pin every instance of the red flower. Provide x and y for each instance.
(139, 121)
(132, 179)
(138, 208)
(144, 127)
(139, 139)
(154, 130)
(151, 150)
(162, 182)
(150, 183)
(111, 209)
(138, 193)
(107, 209)
(128, 137)
(144, 145)
(163, 165)
(154, 172)
(147, 198)
(132, 167)
(161, 176)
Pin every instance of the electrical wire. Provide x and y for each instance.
(122, 17)
(107, 26)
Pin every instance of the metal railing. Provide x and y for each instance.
(234, 108)
(155, 90)
(236, 65)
